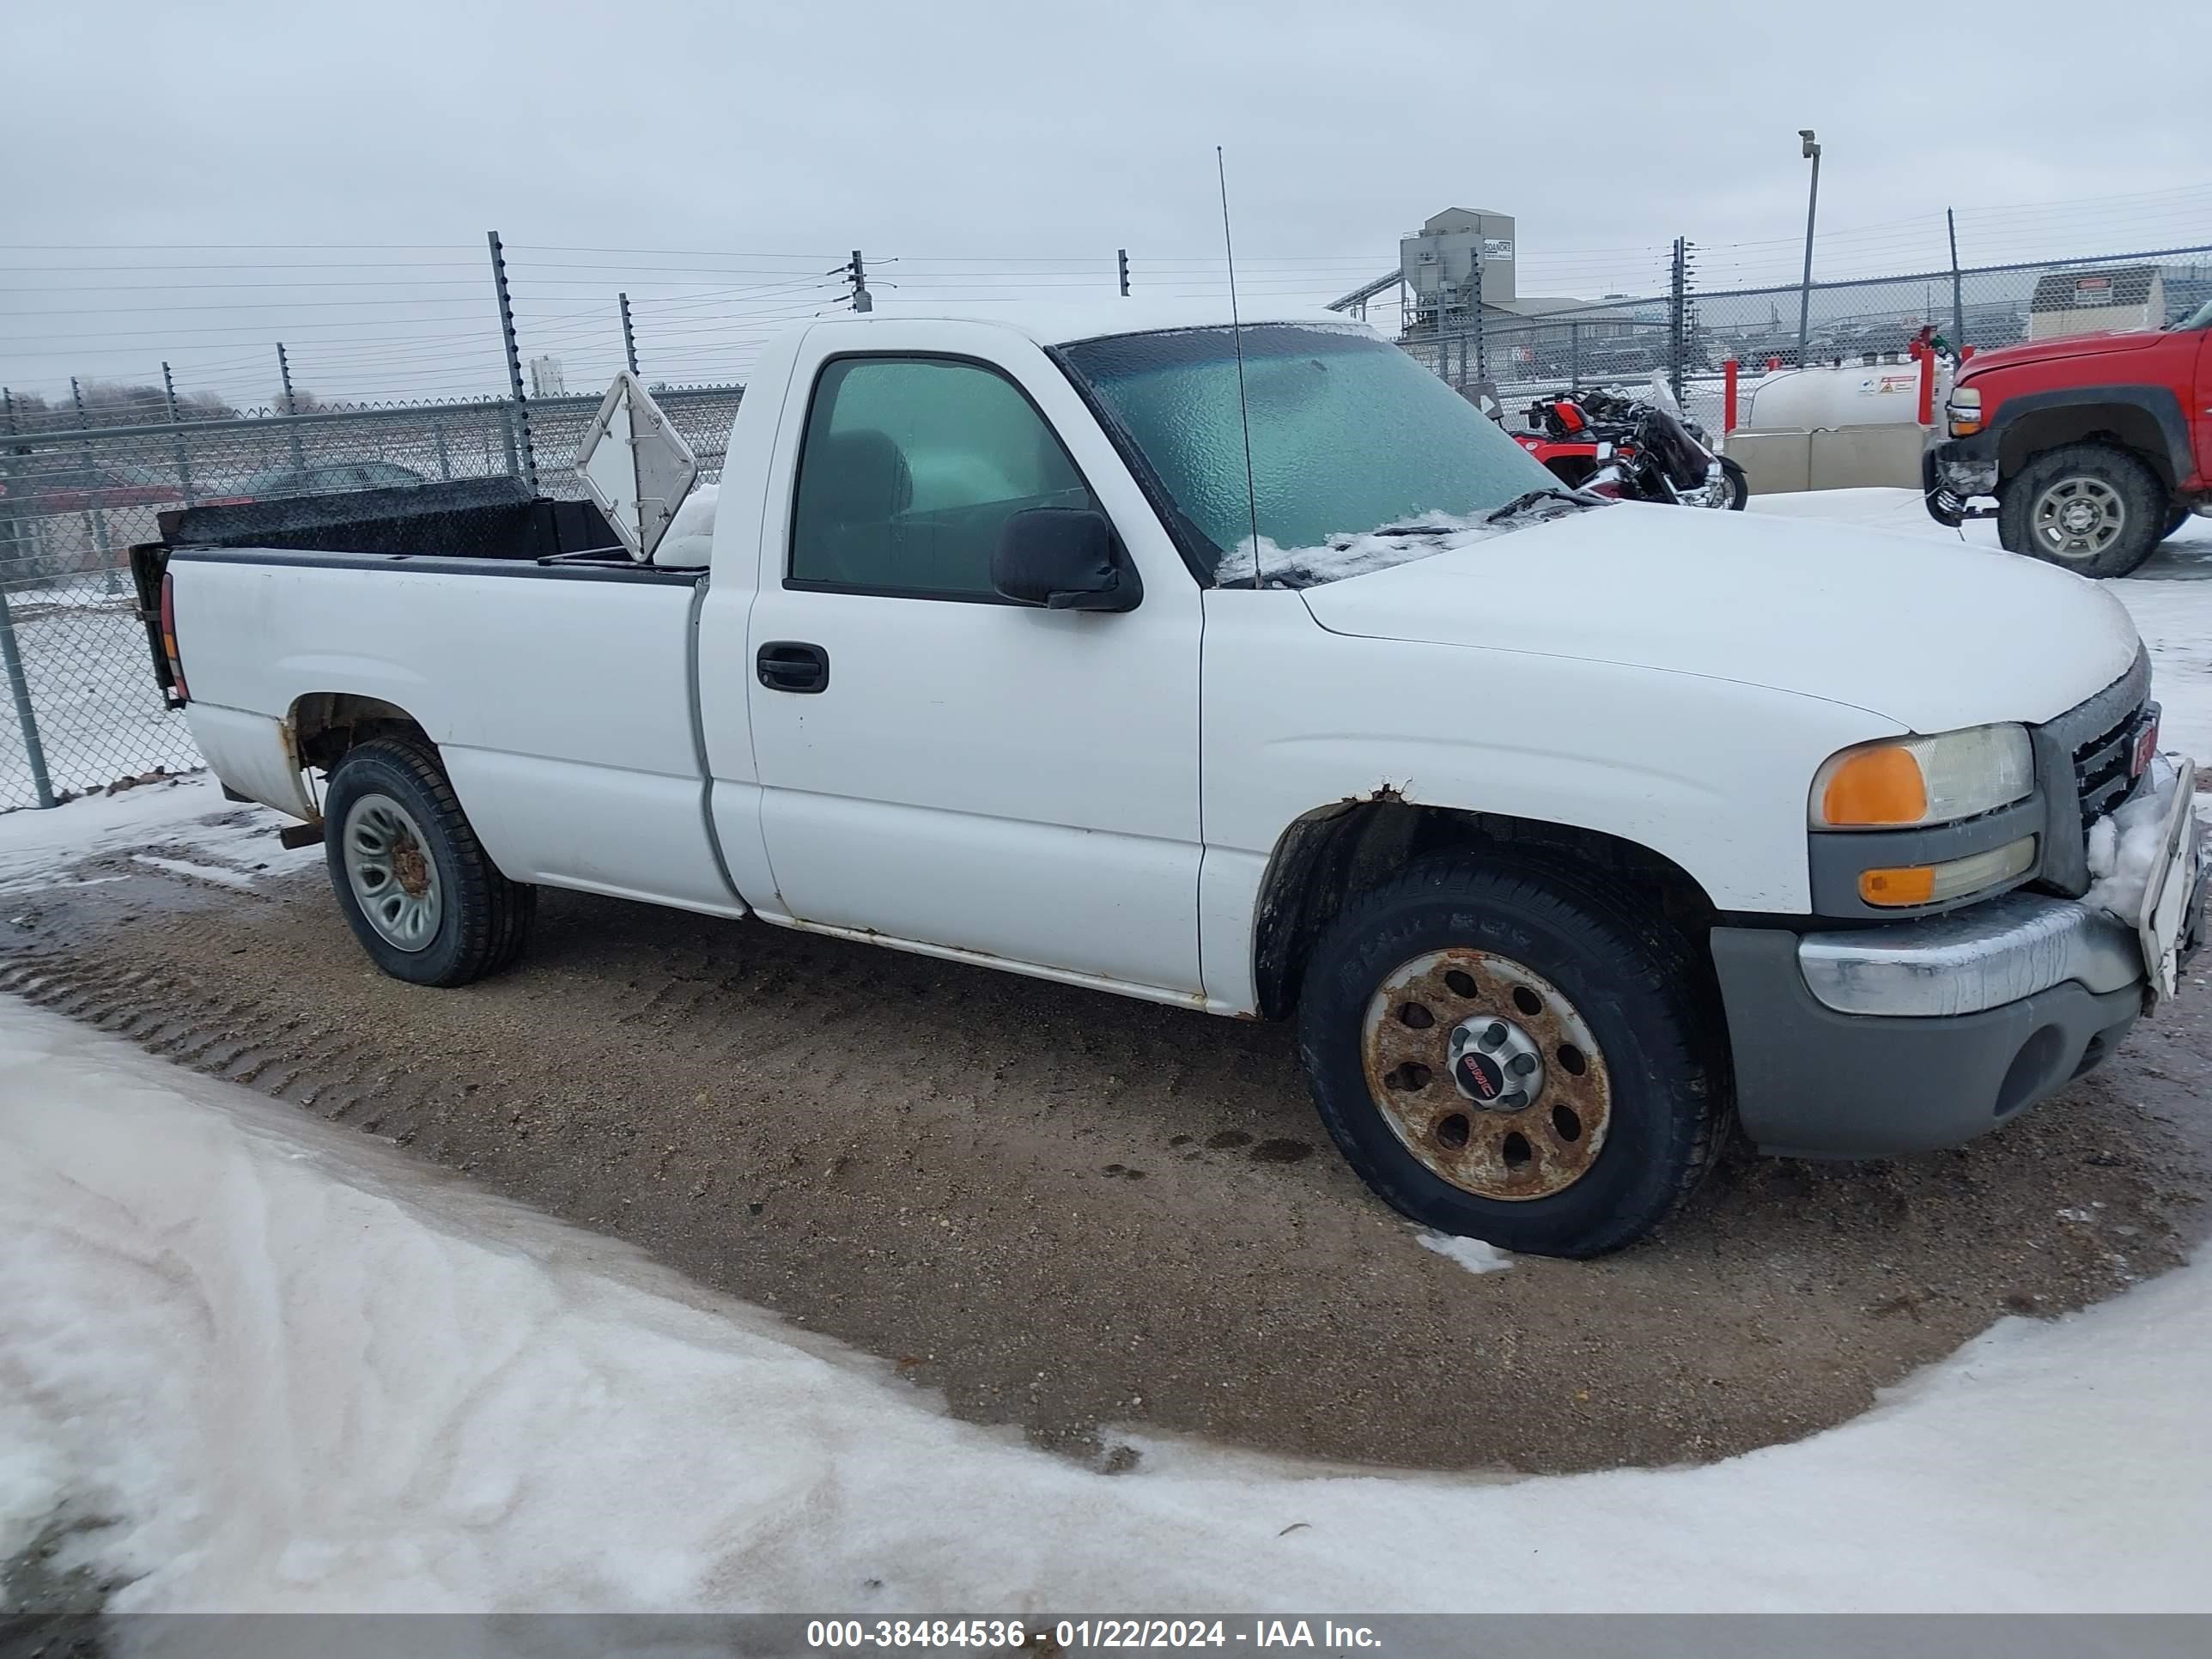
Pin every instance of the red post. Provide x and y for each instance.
(1927, 384)
(1965, 352)
(1727, 396)
(1773, 363)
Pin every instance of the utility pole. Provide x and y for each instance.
(177, 435)
(1958, 296)
(1475, 309)
(527, 457)
(291, 407)
(1812, 151)
(1122, 256)
(630, 340)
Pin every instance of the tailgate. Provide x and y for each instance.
(149, 564)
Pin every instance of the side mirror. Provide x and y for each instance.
(1063, 558)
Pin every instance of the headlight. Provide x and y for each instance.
(1920, 780)
(1964, 411)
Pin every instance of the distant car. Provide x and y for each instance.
(320, 480)
(78, 487)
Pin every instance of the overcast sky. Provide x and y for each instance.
(715, 160)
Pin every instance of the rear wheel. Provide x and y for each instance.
(2094, 510)
(413, 882)
(1512, 1060)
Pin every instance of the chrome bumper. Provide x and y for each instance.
(1983, 956)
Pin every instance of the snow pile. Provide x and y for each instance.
(298, 1371)
(1343, 555)
(690, 536)
(2126, 845)
(235, 844)
(1471, 1253)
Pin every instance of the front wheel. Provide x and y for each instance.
(413, 882)
(1733, 490)
(1512, 1058)
(2095, 510)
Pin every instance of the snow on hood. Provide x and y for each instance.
(1932, 634)
(1354, 554)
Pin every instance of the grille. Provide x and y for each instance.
(2100, 765)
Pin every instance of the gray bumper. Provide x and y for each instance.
(1814, 1083)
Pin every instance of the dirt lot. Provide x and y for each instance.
(1093, 1217)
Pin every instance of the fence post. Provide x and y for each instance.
(630, 340)
(291, 407)
(1121, 255)
(1575, 355)
(444, 460)
(1474, 272)
(1677, 320)
(11, 659)
(184, 461)
(1958, 296)
(527, 457)
(96, 515)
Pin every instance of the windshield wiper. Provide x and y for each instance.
(1410, 530)
(1527, 499)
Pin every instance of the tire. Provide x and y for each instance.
(1739, 485)
(2122, 510)
(1622, 1027)
(398, 844)
(2174, 519)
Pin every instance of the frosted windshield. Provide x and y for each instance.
(1349, 435)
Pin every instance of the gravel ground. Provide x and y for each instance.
(1079, 1214)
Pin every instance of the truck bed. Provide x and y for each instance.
(472, 522)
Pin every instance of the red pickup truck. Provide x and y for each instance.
(2096, 445)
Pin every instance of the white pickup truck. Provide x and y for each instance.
(1569, 833)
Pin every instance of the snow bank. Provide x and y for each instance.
(236, 844)
(690, 537)
(1471, 1253)
(1350, 555)
(303, 1372)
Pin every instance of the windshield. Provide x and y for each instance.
(1350, 437)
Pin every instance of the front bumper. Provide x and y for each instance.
(1904, 1037)
(1954, 472)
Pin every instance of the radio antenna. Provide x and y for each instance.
(1237, 333)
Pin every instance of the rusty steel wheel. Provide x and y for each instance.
(1487, 1073)
(1525, 1055)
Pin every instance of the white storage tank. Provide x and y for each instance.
(1825, 400)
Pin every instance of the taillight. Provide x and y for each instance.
(169, 636)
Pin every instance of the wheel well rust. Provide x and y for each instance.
(1339, 851)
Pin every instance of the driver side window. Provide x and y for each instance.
(909, 469)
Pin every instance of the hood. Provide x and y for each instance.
(1931, 634)
(2068, 345)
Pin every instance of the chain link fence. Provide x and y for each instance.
(1686, 337)
(81, 710)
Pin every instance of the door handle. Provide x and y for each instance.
(792, 665)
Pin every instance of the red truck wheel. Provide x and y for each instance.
(2089, 508)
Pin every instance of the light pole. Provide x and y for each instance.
(1811, 204)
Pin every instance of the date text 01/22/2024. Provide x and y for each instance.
(1002, 1635)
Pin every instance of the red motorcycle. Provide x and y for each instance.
(1637, 449)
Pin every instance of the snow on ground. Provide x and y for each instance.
(299, 1371)
(2170, 597)
(1471, 1253)
(233, 844)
